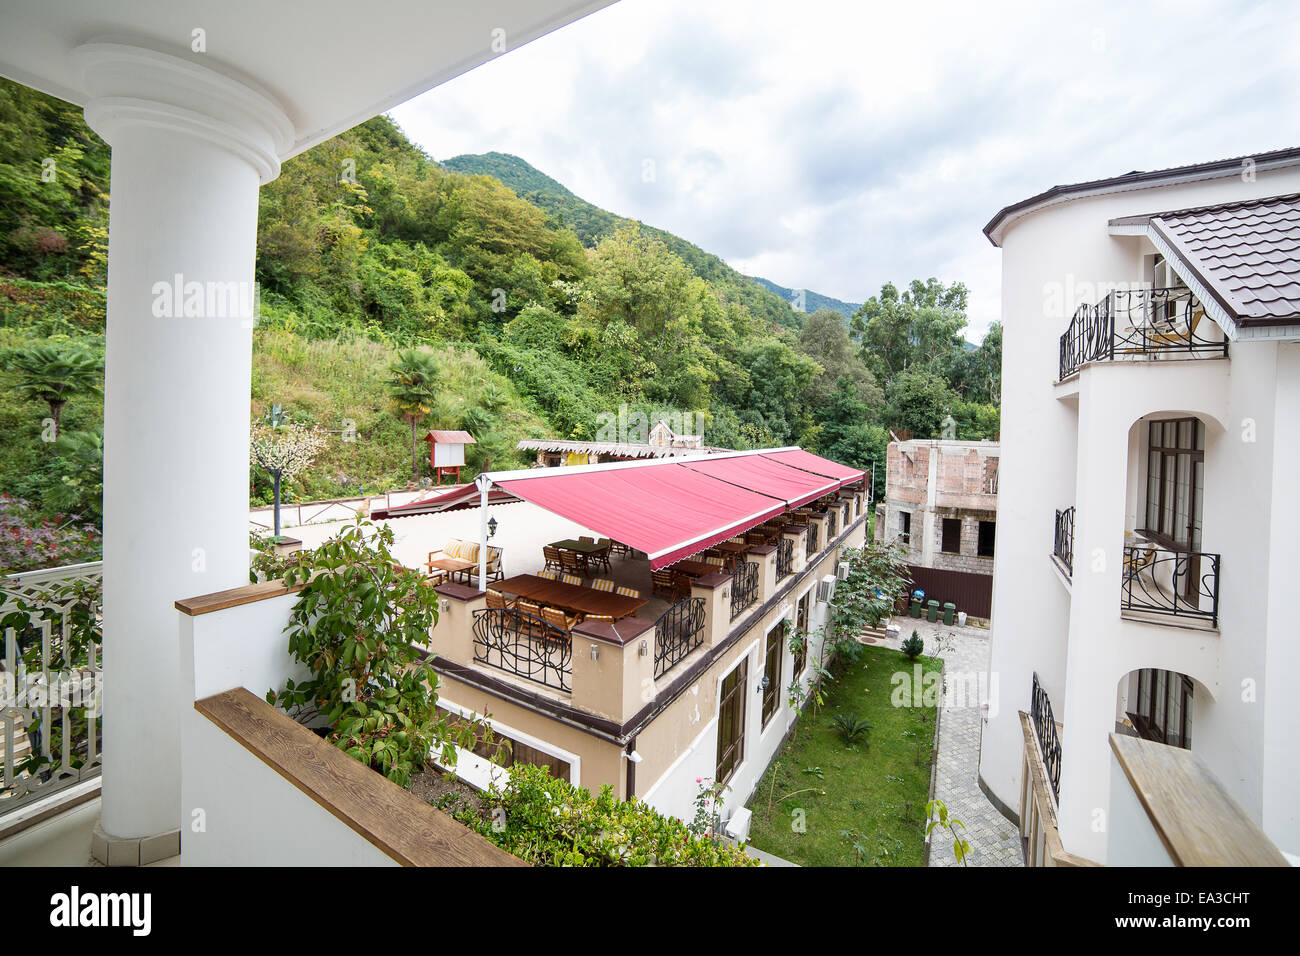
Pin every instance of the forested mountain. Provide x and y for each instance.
(811, 301)
(535, 318)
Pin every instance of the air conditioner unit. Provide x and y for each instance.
(826, 589)
(738, 826)
(842, 570)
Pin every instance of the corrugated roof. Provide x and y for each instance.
(1246, 253)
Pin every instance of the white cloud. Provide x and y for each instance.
(836, 149)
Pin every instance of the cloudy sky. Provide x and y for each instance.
(837, 146)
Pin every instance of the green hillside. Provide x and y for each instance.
(538, 316)
(812, 301)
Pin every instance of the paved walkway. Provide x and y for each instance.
(993, 838)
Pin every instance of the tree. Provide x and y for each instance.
(283, 448)
(825, 339)
(899, 331)
(847, 437)
(917, 401)
(55, 373)
(414, 389)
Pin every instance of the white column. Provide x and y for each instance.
(1091, 680)
(190, 148)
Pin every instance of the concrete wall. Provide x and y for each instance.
(1073, 444)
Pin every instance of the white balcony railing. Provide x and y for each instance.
(50, 677)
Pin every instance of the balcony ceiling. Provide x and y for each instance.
(329, 64)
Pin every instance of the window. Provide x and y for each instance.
(1164, 708)
(801, 624)
(988, 537)
(952, 536)
(1175, 482)
(905, 527)
(553, 461)
(731, 722)
(774, 651)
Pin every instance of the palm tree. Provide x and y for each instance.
(55, 373)
(414, 387)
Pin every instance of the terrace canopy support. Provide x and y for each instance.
(190, 147)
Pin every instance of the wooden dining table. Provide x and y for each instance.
(571, 597)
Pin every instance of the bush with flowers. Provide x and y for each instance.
(29, 541)
(550, 822)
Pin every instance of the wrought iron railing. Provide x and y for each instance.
(1048, 741)
(1138, 324)
(832, 524)
(784, 558)
(524, 645)
(679, 630)
(1063, 544)
(814, 532)
(1181, 584)
(50, 681)
(744, 587)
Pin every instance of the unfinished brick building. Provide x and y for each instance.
(941, 500)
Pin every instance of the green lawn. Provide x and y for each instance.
(866, 807)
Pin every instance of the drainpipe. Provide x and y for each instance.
(484, 483)
(631, 768)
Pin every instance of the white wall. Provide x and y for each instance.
(1072, 444)
(236, 810)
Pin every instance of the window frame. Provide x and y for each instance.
(979, 541)
(943, 535)
(731, 712)
(1173, 459)
(773, 654)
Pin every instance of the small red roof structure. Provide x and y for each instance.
(451, 438)
(447, 452)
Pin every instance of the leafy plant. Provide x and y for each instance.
(851, 727)
(53, 373)
(414, 389)
(550, 822)
(913, 646)
(936, 812)
(708, 808)
(358, 625)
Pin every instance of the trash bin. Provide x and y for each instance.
(915, 608)
(932, 610)
(949, 612)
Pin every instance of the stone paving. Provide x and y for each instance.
(994, 840)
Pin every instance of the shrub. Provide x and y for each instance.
(549, 822)
(851, 727)
(28, 542)
(913, 646)
(358, 625)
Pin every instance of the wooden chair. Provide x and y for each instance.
(717, 560)
(663, 583)
(607, 618)
(586, 540)
(548, 575)
(531, 614)
(559, 620)
(618, 547)
(602, 556)
(681, 585)
(603, 584)
(628, 592)
(572, 579)
(1175, 336)
(497, 601)
(572, 563)
(554, 562)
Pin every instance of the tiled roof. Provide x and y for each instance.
(1247, 253)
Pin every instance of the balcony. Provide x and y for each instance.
(1139, 325)
(1161, 584)
(1063, 540)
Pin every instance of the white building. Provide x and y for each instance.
(1146, 559)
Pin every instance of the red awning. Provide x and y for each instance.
(450, 498)
(667, 510)
(807, 461)
(757, 473)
